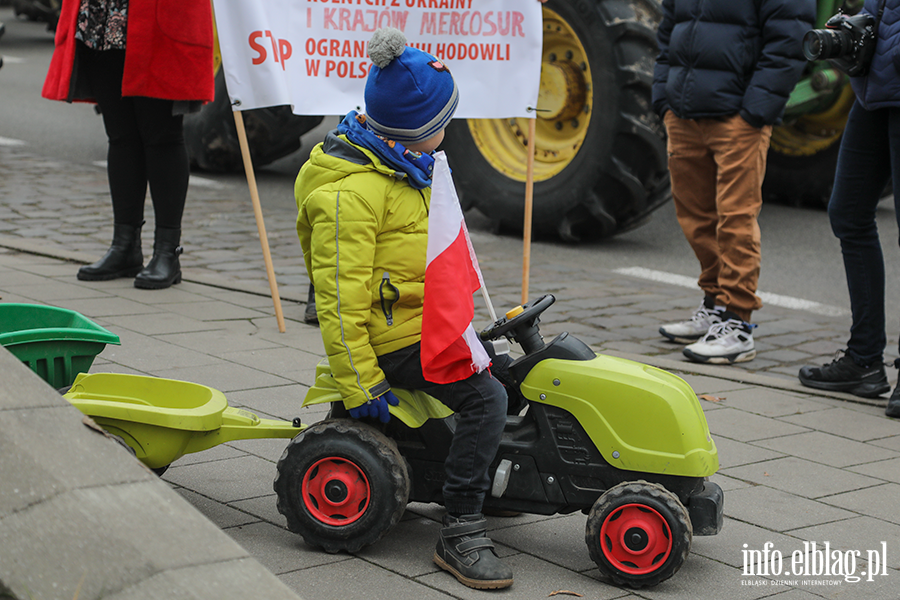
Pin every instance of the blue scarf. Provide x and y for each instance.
(417, 167)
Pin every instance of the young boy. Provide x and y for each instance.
(363, 199)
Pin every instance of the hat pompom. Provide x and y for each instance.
(386, 44)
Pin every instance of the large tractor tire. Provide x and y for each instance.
(211, 134)
(600, 163)
(803, 155)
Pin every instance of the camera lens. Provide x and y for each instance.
(820, 44)
(812, 45)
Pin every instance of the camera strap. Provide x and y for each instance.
(863, 66)
(881, 6)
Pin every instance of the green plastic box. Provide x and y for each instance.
(56, 343)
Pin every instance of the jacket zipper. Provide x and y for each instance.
(387, 306)
(689, 71)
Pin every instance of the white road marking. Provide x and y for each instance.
(207, 183)
(770, 299)
(5, 141)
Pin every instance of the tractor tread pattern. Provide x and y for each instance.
(386, 452)
(663, 496)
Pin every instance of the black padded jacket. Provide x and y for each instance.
(721, 57)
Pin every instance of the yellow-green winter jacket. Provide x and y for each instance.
(364, 235)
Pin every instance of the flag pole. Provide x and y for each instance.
(257, 211)
(529, 201)
(487, 301)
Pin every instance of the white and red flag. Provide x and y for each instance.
(451, 349)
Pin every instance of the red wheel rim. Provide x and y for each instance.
(636, 539)
(335, 491)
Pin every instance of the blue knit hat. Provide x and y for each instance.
(410, 95)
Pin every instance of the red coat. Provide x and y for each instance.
(168, 51)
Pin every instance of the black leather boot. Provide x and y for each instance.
(164, 269)
(123, 259)
(466, 553)
(310, 315)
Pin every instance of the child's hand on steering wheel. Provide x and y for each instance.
(377, 408)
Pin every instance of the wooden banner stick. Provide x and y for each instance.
(257, 211)
(529, 201)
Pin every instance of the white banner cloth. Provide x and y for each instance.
(311, 54)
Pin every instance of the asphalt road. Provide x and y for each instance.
(801, 257)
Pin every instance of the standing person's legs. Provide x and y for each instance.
(740, 153)
(864, 165)
(863, 169)
(480, 404)
(168, 171)
(125, 164)
(692, 170)
(166, 158)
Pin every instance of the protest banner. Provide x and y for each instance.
(311, 54)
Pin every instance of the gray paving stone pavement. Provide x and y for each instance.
(797, 466)
(222, 248)
(79, 517)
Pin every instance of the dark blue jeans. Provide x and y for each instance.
(480, 403)
(869, 155)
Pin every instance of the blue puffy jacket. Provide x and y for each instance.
(881, 87)
(721, 57)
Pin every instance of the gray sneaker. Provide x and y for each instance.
(687, 332)
(725, 343)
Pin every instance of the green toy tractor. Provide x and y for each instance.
(625, 443)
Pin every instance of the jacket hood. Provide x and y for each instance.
(335, 158)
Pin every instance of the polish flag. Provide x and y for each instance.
(451, 350)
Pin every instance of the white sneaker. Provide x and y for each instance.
(692, 330)
(725, 343)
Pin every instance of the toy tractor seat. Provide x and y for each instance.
(414, 409)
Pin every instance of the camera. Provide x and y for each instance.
(848, 41)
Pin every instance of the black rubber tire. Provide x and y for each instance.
(620, 173)
(801, 180)
(364, 450)
(211, 133)
(657, 503)
(803, 153)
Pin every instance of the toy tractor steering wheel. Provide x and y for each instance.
(522, 325)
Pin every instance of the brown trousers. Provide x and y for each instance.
(717, 168)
